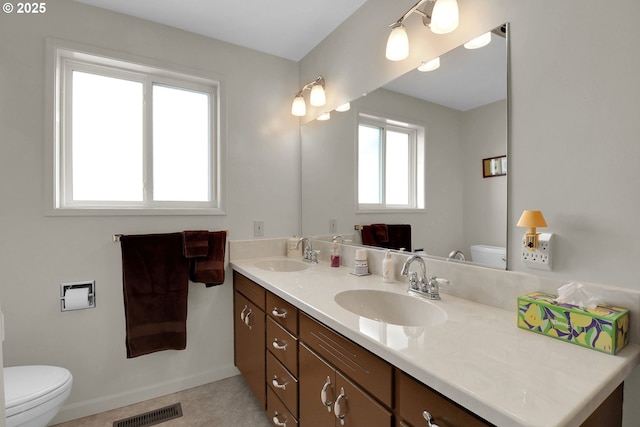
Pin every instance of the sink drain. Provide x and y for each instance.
(151, 418)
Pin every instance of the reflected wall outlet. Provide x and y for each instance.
(539, 258)
(333, 226)
(258, 228)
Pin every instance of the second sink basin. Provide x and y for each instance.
(389, 307)
(281, 265)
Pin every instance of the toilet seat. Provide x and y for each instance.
(27, 387)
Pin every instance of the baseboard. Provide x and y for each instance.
(95, 406)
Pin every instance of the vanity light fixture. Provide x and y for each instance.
(531, 220)
(439, 15)
(344, 107)
(324, 116)
(434, 64)
(317, 98)
(478, 42)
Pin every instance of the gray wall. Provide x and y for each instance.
(574, 121)
(37, 252)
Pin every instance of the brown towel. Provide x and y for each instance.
(390, 236)
(399, 236)
(375, 235)
(210, 269)
(196, 243)
(155, 278)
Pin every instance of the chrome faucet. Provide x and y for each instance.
(421, 285)
(456, 255)
(308, 253)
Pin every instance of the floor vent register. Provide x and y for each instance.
(151, 418)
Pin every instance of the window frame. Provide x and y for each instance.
(416, 169)
(62, 59)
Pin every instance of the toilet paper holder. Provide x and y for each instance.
(91, 294)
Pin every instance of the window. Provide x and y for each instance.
(390, 164)
(133, 138)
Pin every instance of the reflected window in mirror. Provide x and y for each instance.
(390, 164)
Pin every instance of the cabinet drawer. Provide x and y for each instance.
(283, 384)
(413, 398)
(283, 346)
(250, 289)
(278, 413)
(283, 313)
(363, 367)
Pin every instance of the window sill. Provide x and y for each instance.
(133, 211)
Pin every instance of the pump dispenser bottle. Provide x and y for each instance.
(388, 268)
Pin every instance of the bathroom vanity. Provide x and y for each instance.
(312, 362)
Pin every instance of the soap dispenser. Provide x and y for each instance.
(335, 254)
(388, 268)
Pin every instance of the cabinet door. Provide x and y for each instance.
(249, 345)
(317, 390)
(354, 407)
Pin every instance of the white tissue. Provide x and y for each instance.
(76, 299)
(576, 294)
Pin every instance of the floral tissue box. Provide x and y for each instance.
(603, 328)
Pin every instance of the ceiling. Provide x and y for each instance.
(292, 28)
(285, 28)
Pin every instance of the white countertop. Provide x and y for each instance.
(478, 357)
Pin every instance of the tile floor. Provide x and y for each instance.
(227, 402)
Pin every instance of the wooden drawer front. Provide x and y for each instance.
(413, 398)
(315, 378)
(283, 346)
(283, 384)
(278, 413)
(249, 343)
(283, 313)
(250, 289)
(363, 367)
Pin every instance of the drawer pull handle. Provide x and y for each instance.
(277, 422)
(277, 384)
(279, 346)
(324, 395)
(338, 407)
(242, 313)
(429, 419)
(246, 318)
(278, 313)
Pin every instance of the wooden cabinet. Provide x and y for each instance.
(249, 334)
(328, 398)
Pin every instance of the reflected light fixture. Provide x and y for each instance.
(478, 42)
(434, 64)
(344, 107)
(531, 220)
(439, 15)
(324, 116)
(317, 98)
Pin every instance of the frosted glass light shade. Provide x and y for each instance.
(317, 97)
(299, 107)
(444, 18)
(324, 116)
(434, 64)
(479, 41)
(344, 107)
(398, 44)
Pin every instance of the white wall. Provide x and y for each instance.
(574, 122)
(38, 252)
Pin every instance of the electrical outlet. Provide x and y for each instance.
(258, 228)
(540, 257)
(333, 226)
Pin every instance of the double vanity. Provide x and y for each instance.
(320, 346)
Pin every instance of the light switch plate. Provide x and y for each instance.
(540, 257)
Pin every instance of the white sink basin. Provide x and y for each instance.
(392, 308)
(282, 265)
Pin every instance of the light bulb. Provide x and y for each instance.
(317, 97)
(397, 43)
(299, 107)
(343, 108)
(324, 116)
(444, 18)
(479, 41)
(434, 64)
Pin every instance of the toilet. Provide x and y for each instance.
(490, 256)
(33, 395)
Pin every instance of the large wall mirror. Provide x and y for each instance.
(462, 109)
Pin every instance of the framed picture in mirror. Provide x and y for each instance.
(494, 166)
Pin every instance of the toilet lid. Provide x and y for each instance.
(29, 386)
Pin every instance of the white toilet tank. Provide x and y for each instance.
(491, 256)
